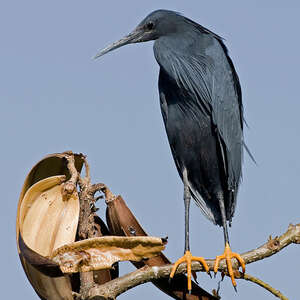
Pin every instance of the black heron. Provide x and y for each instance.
(201, 104)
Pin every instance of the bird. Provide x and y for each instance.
(201, 104)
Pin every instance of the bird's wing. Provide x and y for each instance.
(215, 87)
(170, 93)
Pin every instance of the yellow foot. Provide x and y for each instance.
(188, 258)
(228, 255)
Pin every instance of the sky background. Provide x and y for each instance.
(54, 97)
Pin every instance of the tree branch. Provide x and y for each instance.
(87, 227)
(86, 224)
(112, 289)
(264, 285)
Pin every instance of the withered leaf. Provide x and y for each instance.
(103, 252)
(45, 222)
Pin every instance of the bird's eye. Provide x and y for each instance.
(150, 25)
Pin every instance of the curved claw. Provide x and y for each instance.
(194, 274)
(188, 258)
(240, 261)
(228, 255)
(217, 262)
(175, 266)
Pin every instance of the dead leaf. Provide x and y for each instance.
(45, 222)
(103, 252)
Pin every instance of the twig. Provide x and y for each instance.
(70, 186)
(118, 286)
(264, 285)
(86, 217)
(86, 225)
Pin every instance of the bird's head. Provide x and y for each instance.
(157, 24)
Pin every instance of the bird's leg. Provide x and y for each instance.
(187, 201)
(228, 254)
(187, 257)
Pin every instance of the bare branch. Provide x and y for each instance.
(86, 226)
(264, 285)
(110, 290)
(70, 185)
(114, 288)
(118, 286)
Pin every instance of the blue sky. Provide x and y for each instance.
(54, 97)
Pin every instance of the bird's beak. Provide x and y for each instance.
(135, 36)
